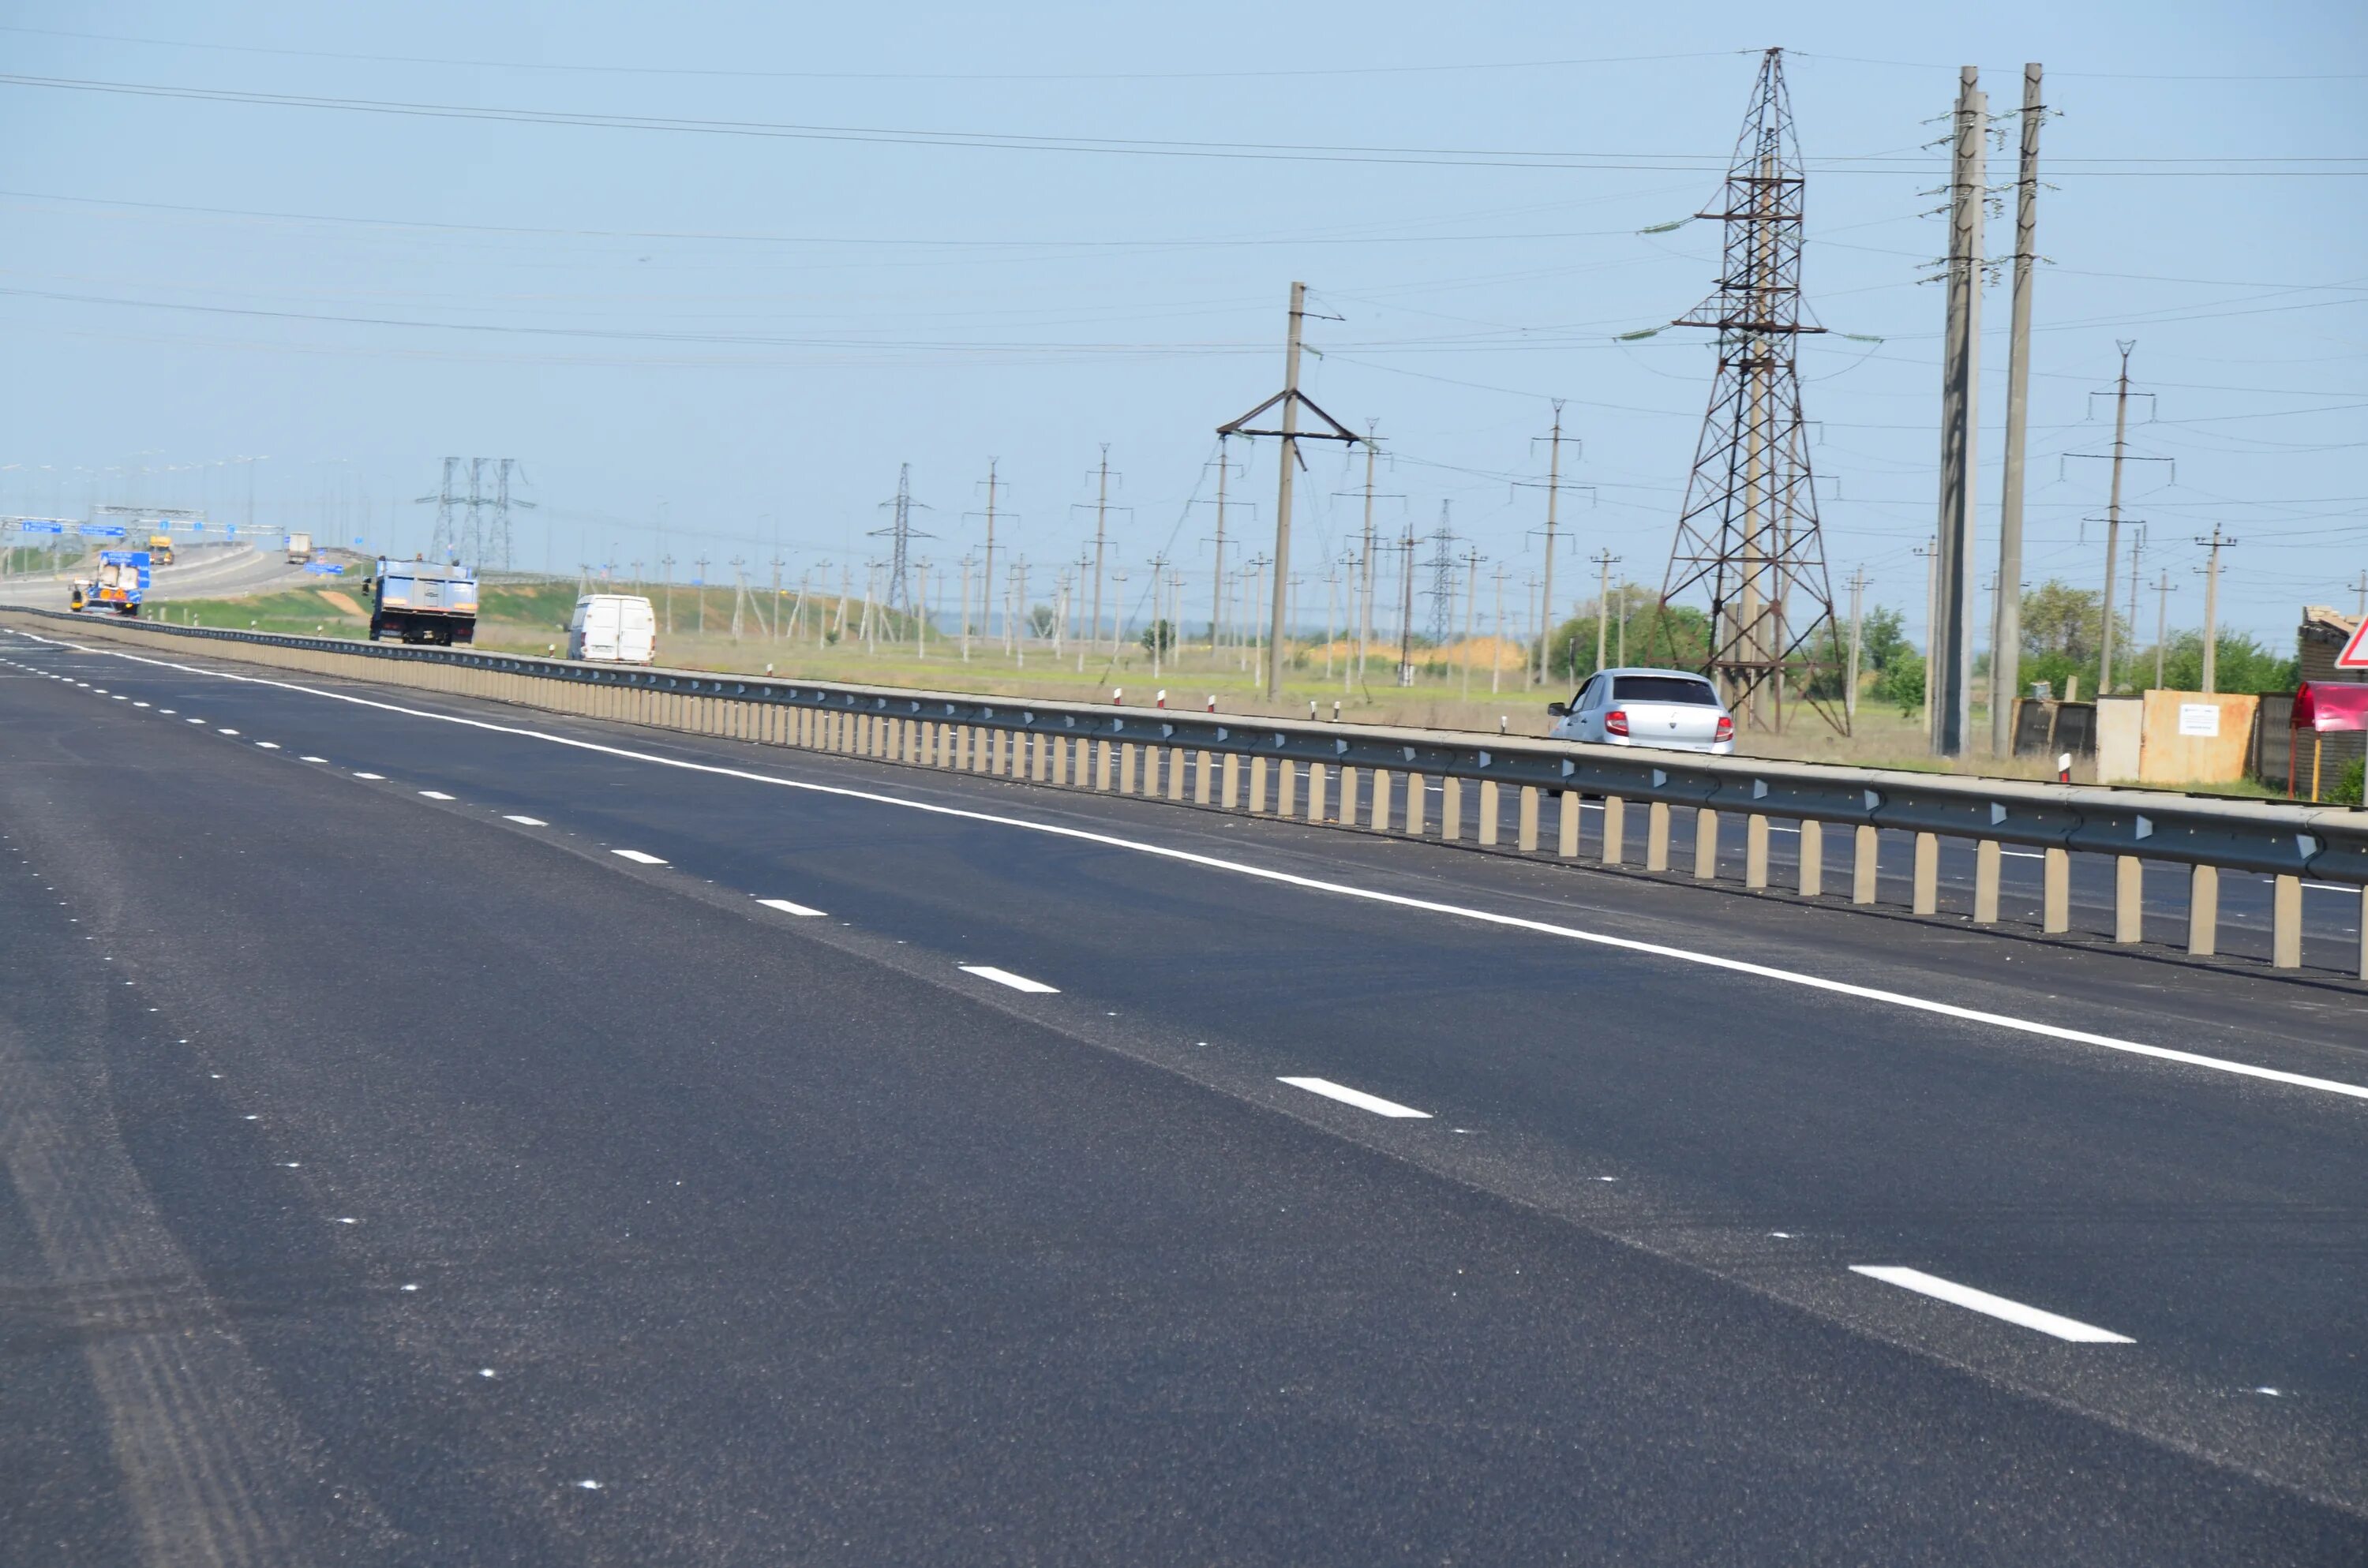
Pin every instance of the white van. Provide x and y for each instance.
(616, 628)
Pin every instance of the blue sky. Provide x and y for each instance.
(740, 336)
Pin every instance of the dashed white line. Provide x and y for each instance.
(639, 856)
(525, 822)
(228, 731)
(267, 745)
(786, 907)
(375, 778)
(197, 721)
(1005, 977)
(435, 794)
(312, 759)
(2012, 1312)
(1357, 1097)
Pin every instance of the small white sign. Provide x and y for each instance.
(2200, 719)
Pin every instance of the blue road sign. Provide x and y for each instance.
(325, 568)
(31, 526)
(102, 530)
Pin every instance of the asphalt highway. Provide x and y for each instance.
(438, 1131)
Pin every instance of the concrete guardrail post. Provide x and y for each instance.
(1315, 791)
(1258, 786)
(1102, 765)
(1987, 859)
(1656, 836)
(1489, 812)
(1451, 808)
(1615, 829)
(1866, 864)
(1809, 861)
(2055, 891)
(2202, 911)
(2285, 924)
(1706, 845)
(1229, 794)
(1174, 759)
(1344, 812)
(1526, 835)
(1378, 816)
(1203, 776)
(1286, 798)
(2129, 899)
(1566, 820)
(1926, 898)
(1755, 851)
(1418, 804)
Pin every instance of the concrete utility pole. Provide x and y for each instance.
(2360, 609)
(1101, 513)
(986, 568)
(1291, 401)
(1948, 666)
(2113, 520)
(1406, 609)
(739, 596)
(2005, 623)
(1929, 552)
(1553, 496)
(1496, 648)
(1217, 576)
(1605, 560)
(1365, 594)
(2162, 592)
(2216, 544)
(1282, 487)
(1858, 606)
(701, 564)
(1472, 559)
(967, 561)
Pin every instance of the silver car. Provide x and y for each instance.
(1674, 710)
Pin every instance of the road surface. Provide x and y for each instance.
(438, 1131)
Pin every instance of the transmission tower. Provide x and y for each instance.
(900, 534)
(1441, 592)
(441, 542)
(1749, 529)
(497, 548)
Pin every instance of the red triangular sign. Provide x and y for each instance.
(2355, 653)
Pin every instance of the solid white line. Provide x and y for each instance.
(1357, 1097)
(1315, 885)
(435, 794)
(529, 821)
(786, 907)
(1948, 1290)
(638, 857)
(1005, 977)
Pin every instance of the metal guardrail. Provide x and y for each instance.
(2285, 841)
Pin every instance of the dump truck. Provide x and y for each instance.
(300, 548)
(160, 549)
(423, 601)
(120, 585)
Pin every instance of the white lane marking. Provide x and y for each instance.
(1357, 1097)
(312, 759)
(138, 705)
(435, 794)
(1965, 1296)
(165, 711)
(786, 907)
(529, 821)
(1315, 885)
(197, 721)
(268, 746)
(638, 857)
(380, 778)
(120, 697)
(1005, 977)
(228, 731)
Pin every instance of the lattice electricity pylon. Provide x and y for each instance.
(441, 542)
(900, 533)
(1749, 529)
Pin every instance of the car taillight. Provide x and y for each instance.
(1615, 723)
(1725, 728)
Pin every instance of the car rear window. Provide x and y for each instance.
(1663, 689)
